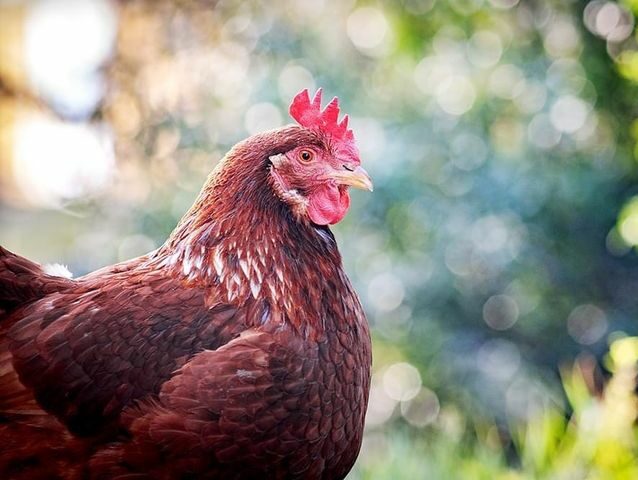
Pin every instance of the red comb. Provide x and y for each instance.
(309, 114)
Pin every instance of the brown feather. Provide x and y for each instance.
(238, 349)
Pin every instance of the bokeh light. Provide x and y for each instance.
(63, 70)
(367, 28)
(67, 161)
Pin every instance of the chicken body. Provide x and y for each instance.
(238, 349)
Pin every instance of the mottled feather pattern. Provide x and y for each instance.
(238, 349)
(99, 347)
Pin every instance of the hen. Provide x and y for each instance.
(238, 349)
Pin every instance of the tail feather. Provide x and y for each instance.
(35, 445)
(23, 281)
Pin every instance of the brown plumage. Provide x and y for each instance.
(238, 349)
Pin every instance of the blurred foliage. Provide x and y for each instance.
(597, 439)
(500, 241)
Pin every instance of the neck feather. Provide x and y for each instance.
(244, 243)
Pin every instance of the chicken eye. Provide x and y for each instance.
(306, 156)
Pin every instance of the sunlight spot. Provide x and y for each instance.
(608, 20)
(380, 405)
(569, 113)
(485, 48)
(489, 233)
(507, 81)
(468, 151)
(565, 76)
(67, 161)
(541, 132)
(562, 38)
(532, 99)
(65, 43)
(456, 95)
(422, 409)
(367, 27)
(293, 79)
(500, 312)
(431, 72)
(402, 381)
(587, 324)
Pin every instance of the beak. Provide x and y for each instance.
(357, 178)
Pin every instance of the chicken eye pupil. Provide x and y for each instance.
(305, 155)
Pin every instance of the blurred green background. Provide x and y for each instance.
(497, 256)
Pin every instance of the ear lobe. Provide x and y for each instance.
(276, 160)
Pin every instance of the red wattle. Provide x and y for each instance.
(328, 204)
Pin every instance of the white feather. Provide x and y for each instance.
(57, 270)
